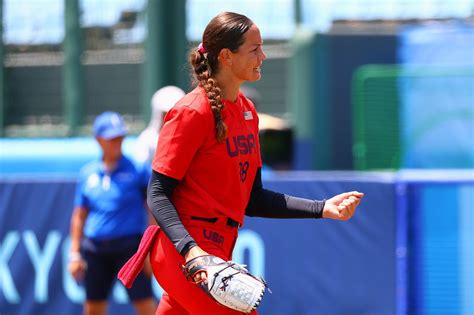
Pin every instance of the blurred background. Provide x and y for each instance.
(370, 95)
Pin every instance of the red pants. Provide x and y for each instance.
(181, 296)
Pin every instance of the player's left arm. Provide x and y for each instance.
(270, 204)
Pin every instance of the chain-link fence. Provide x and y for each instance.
(114, 35)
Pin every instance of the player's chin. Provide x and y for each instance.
(256, 75)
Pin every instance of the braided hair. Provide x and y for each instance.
(226, 30)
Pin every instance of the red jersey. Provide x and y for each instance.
(216, 178)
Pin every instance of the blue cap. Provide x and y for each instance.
(109, 125)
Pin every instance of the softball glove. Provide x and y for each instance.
(228, 282)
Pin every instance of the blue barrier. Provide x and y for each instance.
(406, 251)
(439, 235)
(312, 266)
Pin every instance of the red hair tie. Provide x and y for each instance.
(201, 49)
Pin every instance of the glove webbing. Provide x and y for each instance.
(224, 279)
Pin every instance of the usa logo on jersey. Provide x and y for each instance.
(241, 144)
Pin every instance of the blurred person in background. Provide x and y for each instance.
(161, 103)
(108, 220)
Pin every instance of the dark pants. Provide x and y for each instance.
(104, 260)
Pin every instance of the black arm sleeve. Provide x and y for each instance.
(269, 204)
(160, 189)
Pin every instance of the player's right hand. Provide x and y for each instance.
(77, 269)
(194, 252)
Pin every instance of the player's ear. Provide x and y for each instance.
(225, 57)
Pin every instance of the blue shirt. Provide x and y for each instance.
(116, 201)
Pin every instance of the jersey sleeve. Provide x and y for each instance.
(184, 131)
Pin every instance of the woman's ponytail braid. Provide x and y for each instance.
(225, 30)
(202, 70)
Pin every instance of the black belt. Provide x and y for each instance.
(230, 222)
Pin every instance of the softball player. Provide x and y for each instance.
(207, 167)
